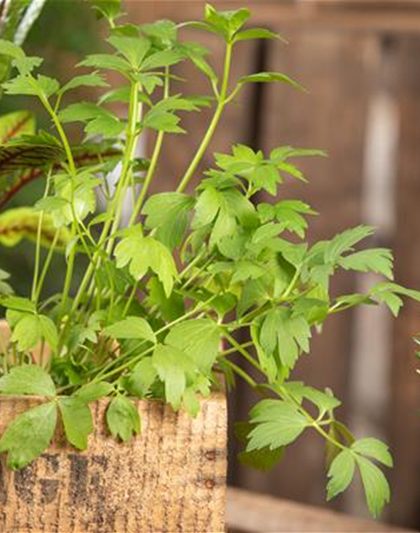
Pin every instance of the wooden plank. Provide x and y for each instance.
(251, 512)
(364, 15)
(171, 478)
(404, 404)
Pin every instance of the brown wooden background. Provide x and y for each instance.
(361, 62)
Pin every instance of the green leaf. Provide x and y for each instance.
(256, 33)
(144, 253)
(94, 391)
(287, 333)
(123, 419)
(323, 400)
(376, 486)
(110, 9)
(142, 378)
(276, 424)
(85, 80)
(377, 260)
(199, 339)
(168, 214)
(264, 459)
(77, 421)
(27, 332)
(269, 77)
(133, 49)
(132, 327)
(30, 380)
(49, 331)
(29, 435)
(17, 303)
(226, 23)
(388, 292)
(374, 449)
(11, 49)
(173, 368)
(107, 62)
(164, 58)
(344, 242)
(340, 433)
(341, 473)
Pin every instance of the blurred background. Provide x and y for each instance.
(360, 60)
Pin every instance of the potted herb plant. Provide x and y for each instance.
(136, 352)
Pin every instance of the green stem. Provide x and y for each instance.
(46, 265)
(242, 351)
(153, 162)
(213, 125)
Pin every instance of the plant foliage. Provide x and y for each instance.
(192, 268)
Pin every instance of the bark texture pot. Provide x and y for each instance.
(172, 478)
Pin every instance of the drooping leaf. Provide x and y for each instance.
(77, 421)
(341, 473)
(29, 435)
(123, 418)
(143, 376)
(269, 77)
(376, 486)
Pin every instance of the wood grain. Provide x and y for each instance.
(250, 512)
(170, 479)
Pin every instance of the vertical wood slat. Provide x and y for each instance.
(172, 478)
(404, 419)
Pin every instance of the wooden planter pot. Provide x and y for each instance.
(172, 478)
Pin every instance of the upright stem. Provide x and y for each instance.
(213, 125)
(153, 161)
(132, 136)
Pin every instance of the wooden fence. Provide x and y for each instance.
(360, 60)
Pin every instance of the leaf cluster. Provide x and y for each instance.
(164, 295)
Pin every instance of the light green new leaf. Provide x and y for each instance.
(132, 327)
(341, 473)
(77, 421)
(376, 486)
(390, 293)
(199, 339)
(374, 449)
(276, 424)
(29, 435)
(123, 418)
(143, 253)
(168, 214)
(377, 260)
(30, 380)
(94, 391)
(269, 77)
